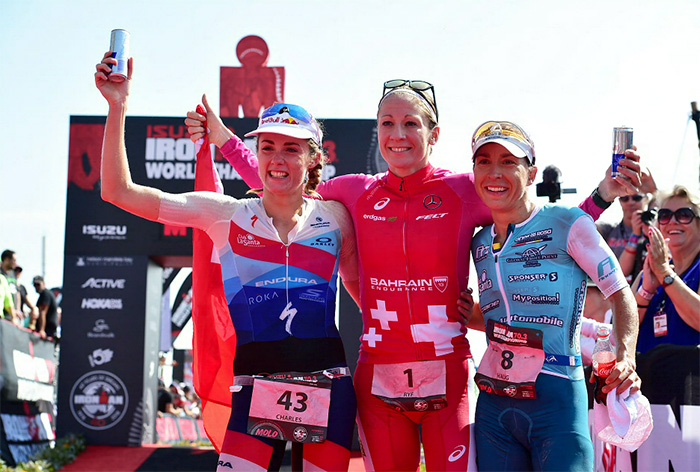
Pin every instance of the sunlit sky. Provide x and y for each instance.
(568, 72)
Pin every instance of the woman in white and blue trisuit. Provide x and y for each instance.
(532, 411)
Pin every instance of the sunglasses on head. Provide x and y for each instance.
(418, 86)
(295, 111)
(636, 198)
(683, 215)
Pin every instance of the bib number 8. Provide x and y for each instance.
(286, 400)
(506, 359)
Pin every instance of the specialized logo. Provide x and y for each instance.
(457, 453)
(100, 356)
(288, 314)
(382, 203)
(101, 304)
(103, 232)
(531, 255)
(480, 253)
(248, 240)
(253, 220)
(99, 400)
(536, 237)
(92, 282)
(432, 202)
(484, 282)
(606, 268)
(100, 330)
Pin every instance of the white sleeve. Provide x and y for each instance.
(590, 251)
(208, 211)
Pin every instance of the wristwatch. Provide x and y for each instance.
(668, 279)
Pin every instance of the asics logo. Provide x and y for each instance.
(457, 453)
(382, 203)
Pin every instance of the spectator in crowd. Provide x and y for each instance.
(7, 268)
(627, 239)
(32, 314)
(47, 323)
(8, 306)
(667, 289)
(165, 401)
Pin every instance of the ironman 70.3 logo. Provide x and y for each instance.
(99, 400)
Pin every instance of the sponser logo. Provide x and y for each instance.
(92, 282)
(101, 304)
(102, 232)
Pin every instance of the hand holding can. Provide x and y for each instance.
(119, 46)
(622, 141)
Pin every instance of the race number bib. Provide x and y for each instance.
(411, 386)
(512, 361)
(291, 407)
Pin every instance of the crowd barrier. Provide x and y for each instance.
(173, 429)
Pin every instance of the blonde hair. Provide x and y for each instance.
(679, 191)
(414, 97)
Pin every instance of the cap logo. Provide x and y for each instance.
(279, 119)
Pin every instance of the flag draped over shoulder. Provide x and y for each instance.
(214, 343)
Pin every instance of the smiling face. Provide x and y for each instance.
(404, 134)
(283, 163)
(501, 179)
(681, 237)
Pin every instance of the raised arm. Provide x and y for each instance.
(117, 186)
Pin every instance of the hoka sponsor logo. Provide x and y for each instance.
(101, 304)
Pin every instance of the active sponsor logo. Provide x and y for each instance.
(101, 304)
(484, 282)
(105, 232)
(389, 285)
(537, 299)
(431, 216)
(324, 241)
(93, 282)
(100, 330)
(99, 400)
(100, 356)
(536, 237)
(262, 298)
(480, 253)
(432, 202)
(280, 280)
(531, 256)
(382, 203)
(542, 319)
(248, 240)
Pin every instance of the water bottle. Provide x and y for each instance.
(604, 359)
